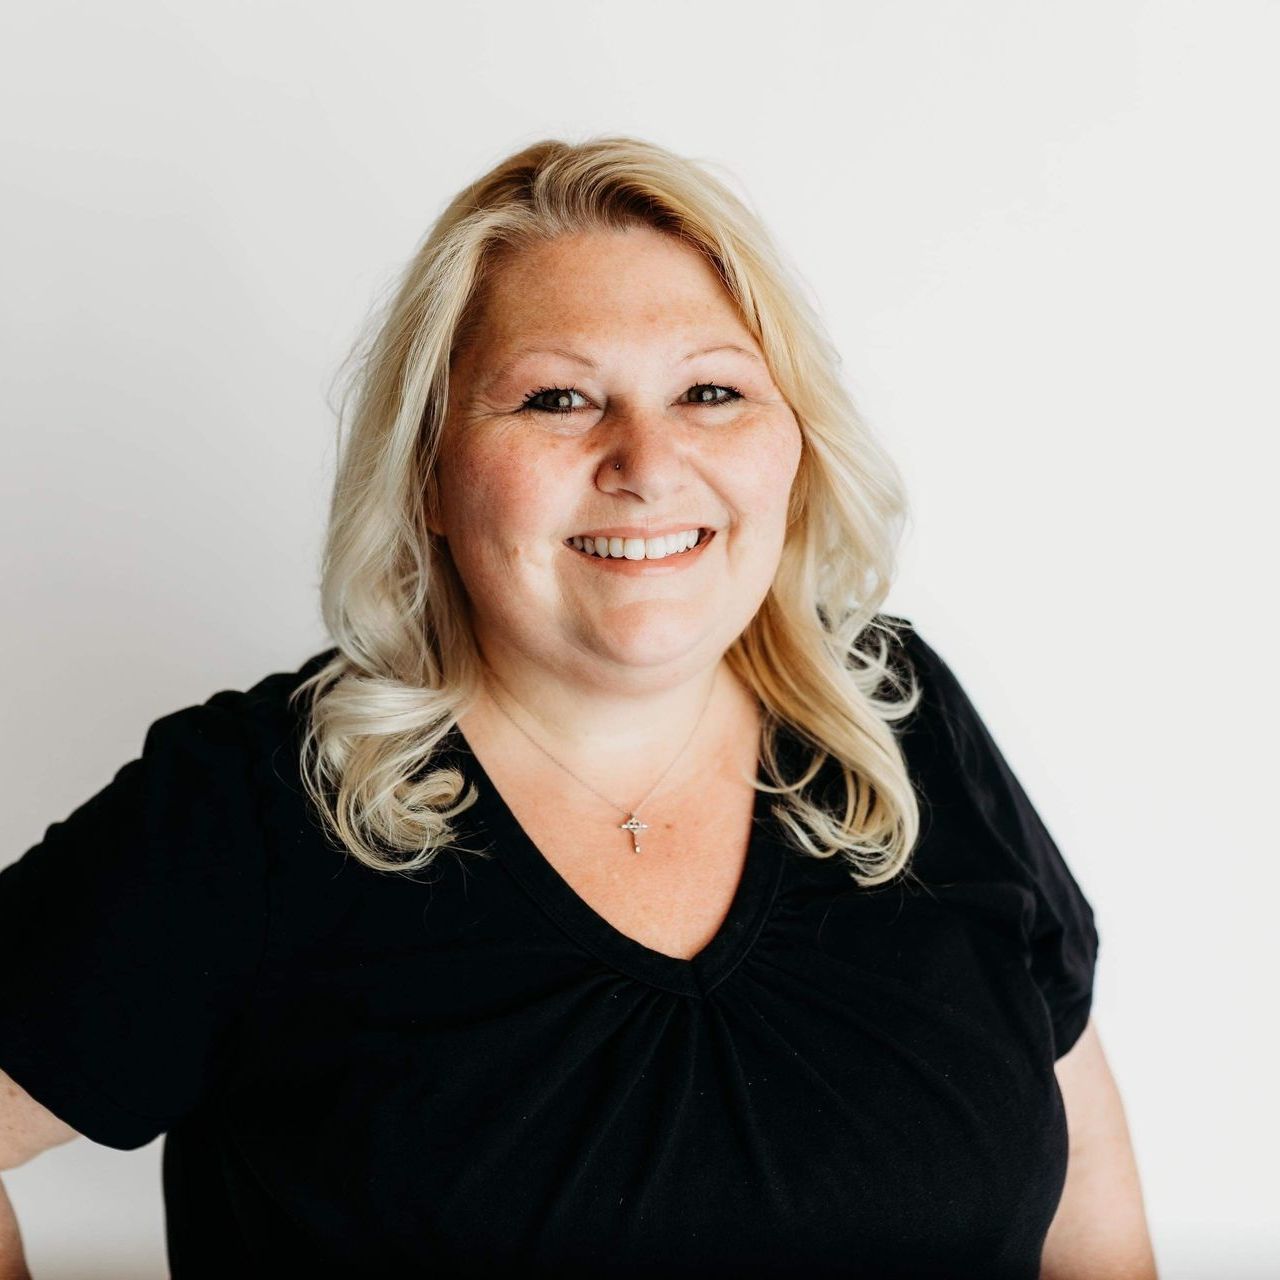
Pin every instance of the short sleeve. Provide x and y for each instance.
(130, 934)
(1063, 938)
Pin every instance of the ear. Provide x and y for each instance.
(431, 509)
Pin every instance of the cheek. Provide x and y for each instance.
(497, 492)
(765, 469)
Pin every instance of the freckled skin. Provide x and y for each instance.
(586, 650)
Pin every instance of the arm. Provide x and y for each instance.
(27, 1127)
(1100, 1230)
(13, 1265)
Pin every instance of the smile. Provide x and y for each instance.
(634, 555)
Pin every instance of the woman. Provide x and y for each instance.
(623, 893)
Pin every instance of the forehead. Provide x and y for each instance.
(600, 285)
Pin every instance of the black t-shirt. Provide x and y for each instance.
(471, 1072)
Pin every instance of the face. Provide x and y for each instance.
(706, 441)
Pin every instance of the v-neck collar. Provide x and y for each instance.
(529, 866)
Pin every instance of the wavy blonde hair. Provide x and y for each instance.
(406, 666)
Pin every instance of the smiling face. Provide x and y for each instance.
(623, 311)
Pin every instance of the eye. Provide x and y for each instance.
(560, 394)
(713, 387)
(562, 397)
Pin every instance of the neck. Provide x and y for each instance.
(615, 739)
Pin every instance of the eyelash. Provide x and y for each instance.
(528, 407)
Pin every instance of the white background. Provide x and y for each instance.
(1044, 239)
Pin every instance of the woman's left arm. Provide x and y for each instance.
(1100, 1230)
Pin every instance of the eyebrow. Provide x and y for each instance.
(576, 358)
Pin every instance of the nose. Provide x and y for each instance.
(644, 450)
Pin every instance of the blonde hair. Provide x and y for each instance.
(406, 666)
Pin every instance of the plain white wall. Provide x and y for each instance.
(1043, 237)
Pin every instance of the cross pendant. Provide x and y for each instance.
(635, 826)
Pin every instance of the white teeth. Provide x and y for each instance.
(637, 548)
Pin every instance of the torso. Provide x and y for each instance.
(674, 895)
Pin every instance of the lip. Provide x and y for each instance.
(645, 568)
(638, 531)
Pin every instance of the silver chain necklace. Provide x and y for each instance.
(633, 823)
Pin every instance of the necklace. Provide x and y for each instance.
(633, 825)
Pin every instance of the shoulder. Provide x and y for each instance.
(270, 697)
(906, 648)
(943, 711)
(252, 718)
(911, 674)
(947, 747)
(893, 640)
